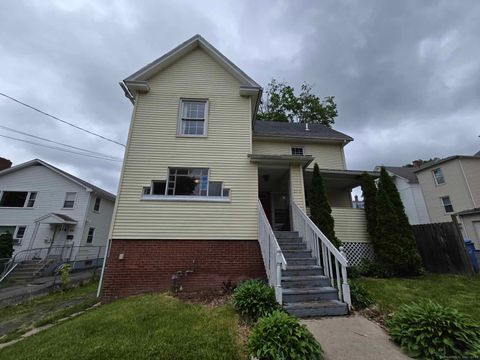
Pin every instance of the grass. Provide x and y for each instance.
(140, 327)
(457, 291)
(18, 319)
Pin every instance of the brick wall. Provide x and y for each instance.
(148, 265)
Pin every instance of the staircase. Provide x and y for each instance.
(29, 269)
(306, 291)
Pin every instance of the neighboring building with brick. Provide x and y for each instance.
(196, 168)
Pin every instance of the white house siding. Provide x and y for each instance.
(412, 199)
(51, 188)
(471, 168)
(297, 191)
(471, 228)
(154, 146)
(454, 186)
(328, 156)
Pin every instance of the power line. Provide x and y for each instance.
(60, 149)
(63, 121)
(56, 142)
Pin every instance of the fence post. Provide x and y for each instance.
(278, 284)
(345, 287)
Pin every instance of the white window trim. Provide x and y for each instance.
(74, 201)
(435, 178)
(443, 205)
(297, 146)
(99, 204)
(93, 235)
(179, 119)
(24, 204)
(184, 198)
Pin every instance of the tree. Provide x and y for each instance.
(281, 104)
(369, 190)
(320, 210)
(6, 245)
(394, 244)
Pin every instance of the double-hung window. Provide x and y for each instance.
(69, 202)
(438, 176)
(187, 181)
(447, 204)
(96, 206)
(193, 118)
(91, 233)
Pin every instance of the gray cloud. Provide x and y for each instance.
(406, 74)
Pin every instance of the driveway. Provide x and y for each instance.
(353, 337)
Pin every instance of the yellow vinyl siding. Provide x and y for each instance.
(154, 146)
(328, 156)
(350, 224)
(297, 191)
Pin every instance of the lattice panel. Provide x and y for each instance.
(356, 251)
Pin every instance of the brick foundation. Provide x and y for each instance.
(148, 265)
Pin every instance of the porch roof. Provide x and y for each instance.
(304, 160)
(55, 218)
(341, 178)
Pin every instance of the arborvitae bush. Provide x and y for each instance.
(320, 210)
(394, 244)
(369, 191)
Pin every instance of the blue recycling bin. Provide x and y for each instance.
(471, 253)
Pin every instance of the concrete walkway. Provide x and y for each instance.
(353, 337)
(19, 293)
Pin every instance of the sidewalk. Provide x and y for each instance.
(19, 293)
(353, 337)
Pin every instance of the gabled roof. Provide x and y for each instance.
(56, 218)
(78, 181)
(197, 41)
(444, 160)
(277, 129)
(404, 172)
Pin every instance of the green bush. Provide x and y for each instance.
(280, 336)
(428, 330)
(372, 268)
(361, 299)
(253, 299)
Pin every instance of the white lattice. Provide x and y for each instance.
(356, 251)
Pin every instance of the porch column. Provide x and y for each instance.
(297, 189)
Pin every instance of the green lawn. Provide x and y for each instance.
(141, 327)
(17, 319)
(459, 292)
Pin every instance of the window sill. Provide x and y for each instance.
(185, 198)
(191, 136)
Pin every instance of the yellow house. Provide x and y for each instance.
(208, 195)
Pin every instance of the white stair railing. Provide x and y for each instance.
(332, 260)
(273, 258)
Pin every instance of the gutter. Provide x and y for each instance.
(127, 92)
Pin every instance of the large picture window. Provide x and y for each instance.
(193, 117)
(17, 199)
(187, 181)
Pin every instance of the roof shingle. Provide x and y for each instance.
(297, 130)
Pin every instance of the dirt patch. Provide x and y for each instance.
(207, 298)
(375, 314)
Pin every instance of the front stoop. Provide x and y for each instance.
(306, 291)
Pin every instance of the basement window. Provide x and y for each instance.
(17, 199)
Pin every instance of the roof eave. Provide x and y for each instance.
(307, 138)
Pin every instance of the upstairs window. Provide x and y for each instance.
(69, 202)
(193, 117)
(447, 204)
(297, 150)
(96, 206)
(438, 176)
(91, 232)
(17, 199)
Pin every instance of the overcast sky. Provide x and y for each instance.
(405, 74)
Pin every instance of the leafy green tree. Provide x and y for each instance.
(369, 190)
(320, 210)
(394, 245)
(281, 104)
(6, 245)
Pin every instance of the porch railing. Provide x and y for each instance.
(272, 254)
(332, 260)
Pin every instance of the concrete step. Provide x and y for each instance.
(305, 281)
(302, 270)
(317, 308)
(293, 295)
(285, 234)
(293, 246)
(300, 261)
(296, 253)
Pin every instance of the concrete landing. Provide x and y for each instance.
(353, 337)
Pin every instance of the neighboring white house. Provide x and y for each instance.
(410, 192)
(53, 213)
